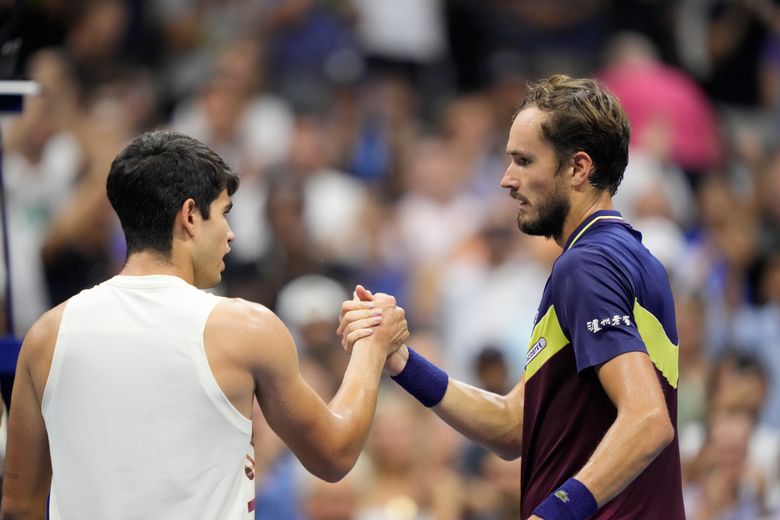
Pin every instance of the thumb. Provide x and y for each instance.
(363, 294)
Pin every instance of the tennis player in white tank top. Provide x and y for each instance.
(133, 399)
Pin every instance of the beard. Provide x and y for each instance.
(551, 214)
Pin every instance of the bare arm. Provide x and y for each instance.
(326, 438)
(640, 432)
(28, 468)
(491, 420)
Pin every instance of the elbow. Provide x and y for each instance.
(661, 431)
(510, 447)
(334, 471)
(334, 466)
(508, 456)
(509, 452)
(13, 511)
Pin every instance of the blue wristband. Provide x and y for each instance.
(424, 380)
(571, 501)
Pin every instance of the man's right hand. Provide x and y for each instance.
(377, 318)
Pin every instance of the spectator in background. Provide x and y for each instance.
(405, 39)
(191, 33)
(732, 473)
(290, 252)
(233, 112)
(492, 371)
(322, 500)
(403, 479)
(42, 159)
(83, 245)
(96, 38)
(381, 264)
(436, 198)
(721, 483)
(695, 366)
(551, 36)
(332, 199)
(311, 50)
(498, 276)
(385, 128)
(493, 491)
(309, 305)
(737, 32)
(768, 193)
(468, 125)
(251, 128)
(660, 98)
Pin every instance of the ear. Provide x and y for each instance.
(188, 216)
(582, 166)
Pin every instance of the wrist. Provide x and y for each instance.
(396, 362)
(571, 501)
(422, 379)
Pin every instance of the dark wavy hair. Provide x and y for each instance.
(583, 116)
(152, 177)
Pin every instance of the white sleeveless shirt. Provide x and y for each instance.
(138, 426)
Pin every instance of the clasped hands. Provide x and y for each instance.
(376, 318)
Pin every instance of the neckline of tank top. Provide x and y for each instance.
(147, 280)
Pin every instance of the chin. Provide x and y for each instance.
(208, 283)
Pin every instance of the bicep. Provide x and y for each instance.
(631, 382)
(290, 405)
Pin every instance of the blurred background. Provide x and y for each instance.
(369, 136)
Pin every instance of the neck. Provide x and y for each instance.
(145, 263)
(579, 211)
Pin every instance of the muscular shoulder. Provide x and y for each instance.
(38, 346)
(43, 334)
(238, 317)
(250, 330)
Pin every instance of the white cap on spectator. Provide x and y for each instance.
(310, 298)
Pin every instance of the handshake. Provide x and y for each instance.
(375, 321)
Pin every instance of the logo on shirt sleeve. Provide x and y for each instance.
(534, 350)
(617, 320)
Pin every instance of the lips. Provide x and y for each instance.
(519, 197)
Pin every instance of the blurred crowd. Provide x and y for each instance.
(369, 136)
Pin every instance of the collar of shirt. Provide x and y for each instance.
(585, 225)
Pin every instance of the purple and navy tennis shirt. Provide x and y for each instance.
(606, 296)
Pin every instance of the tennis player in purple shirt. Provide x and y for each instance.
(594, 415)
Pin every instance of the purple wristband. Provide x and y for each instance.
(571, 501)
(425, 381)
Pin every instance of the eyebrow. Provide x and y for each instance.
(519, 153)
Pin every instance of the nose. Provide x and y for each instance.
(230, 236)
(508, 181)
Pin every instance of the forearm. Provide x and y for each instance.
(628, 447)
(353, 405)
(492, 420)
